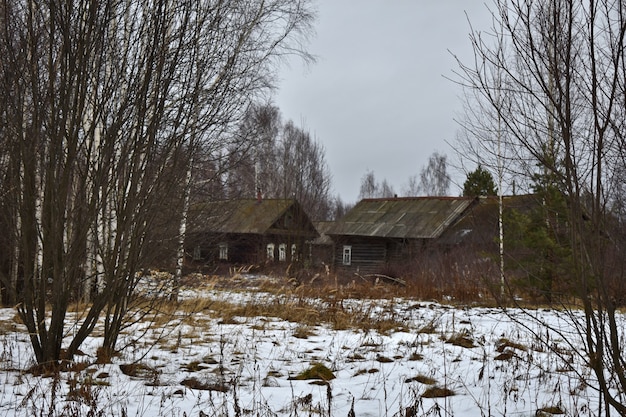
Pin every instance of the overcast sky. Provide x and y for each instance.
(377, 98)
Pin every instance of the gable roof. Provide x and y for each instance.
(480, 225)
(251, 216)
(406, 218)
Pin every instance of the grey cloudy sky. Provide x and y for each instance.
(377, 98)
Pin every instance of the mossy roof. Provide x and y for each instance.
(403, 218)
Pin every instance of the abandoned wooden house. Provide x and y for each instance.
(377, 233)
(249, 231)
(321, 248)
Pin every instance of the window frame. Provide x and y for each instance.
(346, 255)
(223, 251)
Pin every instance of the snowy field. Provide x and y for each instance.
(437, 360)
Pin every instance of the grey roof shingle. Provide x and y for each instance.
(247, 216)
(406, 218)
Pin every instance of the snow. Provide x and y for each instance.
(250, 363)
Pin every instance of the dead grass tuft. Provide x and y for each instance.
(355, 357)
(82, 393)
(548, 411)
(316, 371)
(422, 379)
(195, 366)
(507, 355)
(505, 343)
(139, 370)
(98, 381)
(437, 392)
(366, 371)
(104, 356)
(462, 339)
(17, 319)
(196, 384)
(428, 328)
(78, 366)
(303, 332)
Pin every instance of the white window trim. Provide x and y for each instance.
(347, 255)
(282, 252)
(223, 251)
(270, 251)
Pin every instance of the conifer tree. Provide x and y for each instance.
(479, 183)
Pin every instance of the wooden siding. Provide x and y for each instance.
(368, 255)
(245, 249)
(246, 227)
(372, 255)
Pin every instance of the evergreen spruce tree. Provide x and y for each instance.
(479, 183)
(538, 237)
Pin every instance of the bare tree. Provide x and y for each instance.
(386, 189)
(106, 106)
(411, 189)
(551, 78)
(303, 172)
(251, 160)
(434, 178)
(340, 208)
(370, 188)
(284, 161)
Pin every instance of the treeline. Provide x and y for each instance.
(433, 180)
(279, 160)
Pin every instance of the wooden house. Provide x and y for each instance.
(249, 231)
(478, 229)
(321, 248)
(377, 233)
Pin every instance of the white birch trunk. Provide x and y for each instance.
(182, 232)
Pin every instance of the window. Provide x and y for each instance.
(288, 220)
(270, 251)
(197, 253)
(224, 251)
(282, 252)
(294, 253)
(347, 255)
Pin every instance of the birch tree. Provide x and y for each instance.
(303, 172)
(434, 178)
(284, 162)
(105, 105)
(371, 188)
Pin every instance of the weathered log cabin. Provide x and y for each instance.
(249, 231)
(380, 232)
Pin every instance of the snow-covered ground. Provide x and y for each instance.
(202, 366)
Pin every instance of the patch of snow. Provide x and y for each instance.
(249, 366)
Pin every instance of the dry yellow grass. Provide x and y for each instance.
(437, 392)
(422, 379)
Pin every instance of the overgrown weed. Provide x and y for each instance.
(308, 309)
